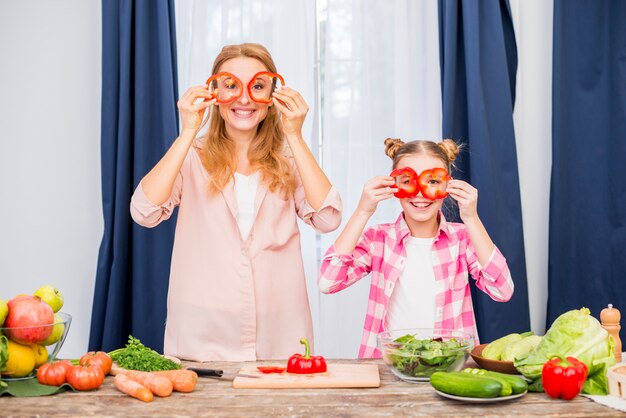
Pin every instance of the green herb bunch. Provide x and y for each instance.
(136, 356)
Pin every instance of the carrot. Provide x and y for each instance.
(159, 385)
(183, 380)
(132, 388)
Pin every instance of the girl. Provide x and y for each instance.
(237, 289)
(420, 263)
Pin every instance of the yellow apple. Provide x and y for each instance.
(56, 333)
(51, 296)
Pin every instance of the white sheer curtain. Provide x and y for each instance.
(380, 78)
(532, 20)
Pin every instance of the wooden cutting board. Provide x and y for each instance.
(337, 376)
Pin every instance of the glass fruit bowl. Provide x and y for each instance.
(414, 354)
(22, 363)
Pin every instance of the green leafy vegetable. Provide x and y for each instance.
(421, 358)
(573, 334)
(4, 356)
(136, 356)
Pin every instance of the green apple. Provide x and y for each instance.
(4, 310)
(51, 296)
(56, 333)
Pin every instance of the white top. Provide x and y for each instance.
(245, 191)
(412, 303)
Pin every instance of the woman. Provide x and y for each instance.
(237, 289)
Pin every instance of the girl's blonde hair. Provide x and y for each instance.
(447, 150)
(266, 153)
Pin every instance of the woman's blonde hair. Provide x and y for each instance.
(447, 150)
(266, 153)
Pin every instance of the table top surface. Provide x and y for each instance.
(217, 398)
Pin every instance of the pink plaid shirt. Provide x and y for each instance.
(381, 252)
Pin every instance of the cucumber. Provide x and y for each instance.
(517, 384)
(506, 386)
(466, 384)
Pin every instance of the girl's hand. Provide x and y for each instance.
(192, 106)
(466, 196)
(293, 110)
(374, 191)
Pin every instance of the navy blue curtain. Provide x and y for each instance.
(587, 260)
(478, 64)
(139, 122)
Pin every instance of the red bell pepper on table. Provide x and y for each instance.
(306, 364)
(563, 378)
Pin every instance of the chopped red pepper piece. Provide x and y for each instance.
(433, 183)
(406, 182)
(563, 378)
(306, 364)
(271, 369)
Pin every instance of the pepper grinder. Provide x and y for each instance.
(609, 317)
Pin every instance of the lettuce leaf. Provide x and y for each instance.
(577, 334)
(4, 355)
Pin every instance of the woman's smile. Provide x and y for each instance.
(243, 113)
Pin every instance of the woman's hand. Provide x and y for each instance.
(192, 106)
(374, 191)
(293, 109)
(466, 196)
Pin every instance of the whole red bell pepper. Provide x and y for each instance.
(306, 364)
(563, 378)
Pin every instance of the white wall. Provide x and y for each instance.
(50, 197)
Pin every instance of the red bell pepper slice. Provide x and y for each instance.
(406, 182)
(306, 364)
(563, 378)
(271, 369)
(433, 183)
(225, 87)
(262, 85)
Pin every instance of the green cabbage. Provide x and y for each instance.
(577, 334)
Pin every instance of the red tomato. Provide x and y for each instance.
(271, 369)
(87, 377)
(100, 358)
(53, 374)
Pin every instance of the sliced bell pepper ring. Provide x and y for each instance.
(306, 364)
(260, 90)
(225, 87)
(271, 369)
(406, 182)
(563, 378)
(433, 183)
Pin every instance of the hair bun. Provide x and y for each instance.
(392, 145)
(450, 148)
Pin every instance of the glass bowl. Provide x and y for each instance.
(416, 353)
(52, 344)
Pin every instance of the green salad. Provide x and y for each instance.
(422, 357)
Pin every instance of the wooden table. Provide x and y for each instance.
(216, 398)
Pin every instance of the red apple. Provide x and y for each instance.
(27, 319)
